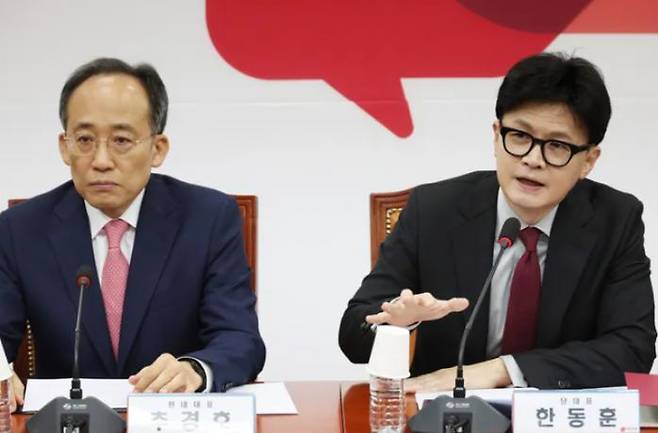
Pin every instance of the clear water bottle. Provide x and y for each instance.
(5, 419)
(387, 405)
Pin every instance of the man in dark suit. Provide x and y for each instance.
(170, 304)
(571, 304)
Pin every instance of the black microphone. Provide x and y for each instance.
(77, 414)
(470, 414)
(83, 281)
(508, 235)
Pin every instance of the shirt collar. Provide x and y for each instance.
(505, 211)
(97, 219)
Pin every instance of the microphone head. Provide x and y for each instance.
(509, 232)
(83, 277)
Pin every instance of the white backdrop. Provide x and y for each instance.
(314, 157)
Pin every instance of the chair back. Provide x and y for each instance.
(248, 205)
(385, 209)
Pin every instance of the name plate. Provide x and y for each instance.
(576, 411)
(199, 413)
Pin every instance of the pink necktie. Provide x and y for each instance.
(521, 323)
(115, 275)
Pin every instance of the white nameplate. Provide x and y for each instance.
(198, 413)
(614, 411)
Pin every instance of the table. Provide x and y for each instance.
(354, 406)
(324, 407)
(318, 404)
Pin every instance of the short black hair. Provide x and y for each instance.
(557, 77)
(145, 73)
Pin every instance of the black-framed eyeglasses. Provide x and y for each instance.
(555, 152)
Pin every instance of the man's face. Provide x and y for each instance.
(111, 108)
(531, 186)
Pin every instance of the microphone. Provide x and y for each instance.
(472, 414)
(508, 235)
(83, 281)
(77, 414)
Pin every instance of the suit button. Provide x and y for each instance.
(562, 384)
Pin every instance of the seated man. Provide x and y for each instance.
(571, 304)
(170, 304)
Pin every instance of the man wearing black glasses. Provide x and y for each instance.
(571, 303)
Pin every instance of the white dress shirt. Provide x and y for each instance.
(99, 243)
(502, 282)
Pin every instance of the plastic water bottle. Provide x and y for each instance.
(5, 419)
(387, 405)
(388, 365)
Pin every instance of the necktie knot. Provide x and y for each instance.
(529, 237)
(114, 230)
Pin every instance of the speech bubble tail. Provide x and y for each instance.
(383, 99)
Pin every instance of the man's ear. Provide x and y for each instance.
(591, 156)
(496, 127)
(64, 151)
(496, 130)
(159, 150)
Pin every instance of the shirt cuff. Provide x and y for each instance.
(514, 372)
(206, 370)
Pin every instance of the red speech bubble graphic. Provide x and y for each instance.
(362, 48)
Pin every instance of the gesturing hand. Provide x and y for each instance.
(410, 308)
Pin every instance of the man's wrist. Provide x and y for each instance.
(501, 376)
(198, 369)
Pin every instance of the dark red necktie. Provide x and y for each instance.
(521, 323)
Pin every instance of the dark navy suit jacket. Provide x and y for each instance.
(187, 291)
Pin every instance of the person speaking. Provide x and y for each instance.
(571, 303)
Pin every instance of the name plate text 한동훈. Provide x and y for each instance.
(587, 411)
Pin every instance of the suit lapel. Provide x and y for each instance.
(158, 224)
(569, 247)
(70, 238)
(473, 251)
